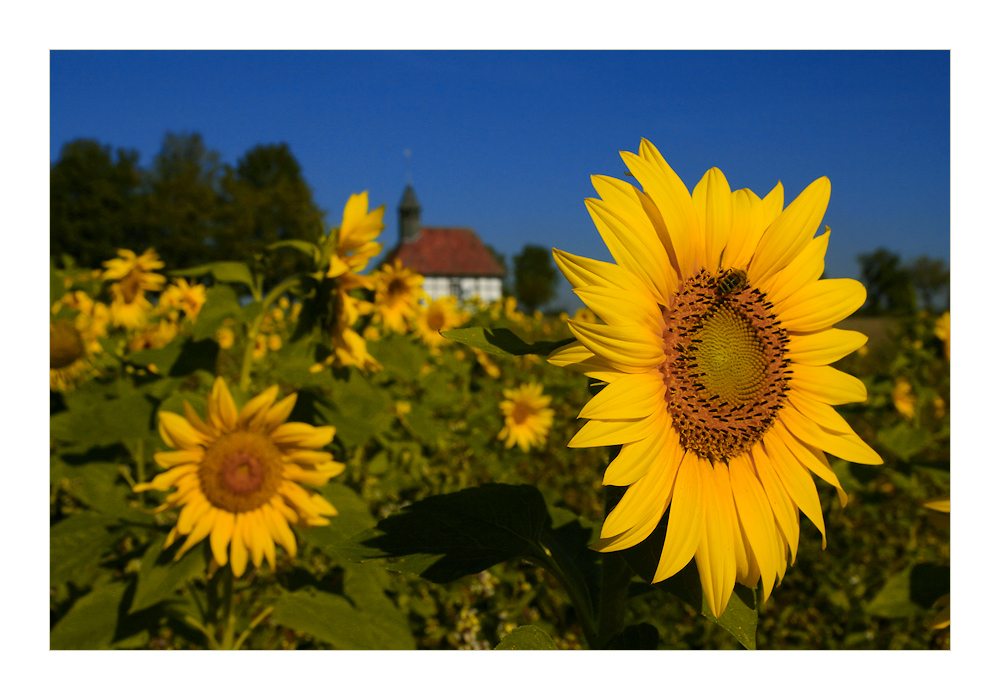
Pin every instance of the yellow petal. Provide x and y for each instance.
(684, 524)
(629, 396)
(221, 407)
(804, 269)
(660, 450)
(576, 357)
(616, 306)
(790, 232)
(716, 551)
(191, 514)
(222, 533)
(177, 432)
(672, 200)
(847, 446)
(757, 519)
(773, 203)
(820, 304)
(599, 433)
(584, 272)
(625, 348)
(796, 481)
(257, 405)
(643, 256)
(302, 435)
(642, 506)
(748, 227)
(281, 532)
(256, 531)
(200, 531)
(278, 413)
(823, 347)
(713, 200)
(238, 548)
(640, 209)
(826, 384)
(818, 412)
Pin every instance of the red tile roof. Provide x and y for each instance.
(447, 251)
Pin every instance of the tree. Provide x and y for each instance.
(889, 285)
(266, 201)
(94, 203)
(183, 207)
(930, 278)
(534, 276)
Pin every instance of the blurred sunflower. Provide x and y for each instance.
(129, 305)
(398, 291)
(442, 314)
(527, 417)
(942, 329)
(715, 347)
(352, 245)
(73, 343)
(154, 336)
(181, 296)
(238, 473)
(904, 399)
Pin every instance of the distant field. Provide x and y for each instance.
(878, 329)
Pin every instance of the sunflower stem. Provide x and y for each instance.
(228, 617)
(254, 331)
(615, 577)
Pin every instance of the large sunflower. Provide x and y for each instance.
(135, 277)
(238, 476)
(715, 348)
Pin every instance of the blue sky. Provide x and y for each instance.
(505, 142)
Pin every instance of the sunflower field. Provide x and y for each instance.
(338, 462)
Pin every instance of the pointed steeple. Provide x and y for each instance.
(409, 216)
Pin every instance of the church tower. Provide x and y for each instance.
(409, 216)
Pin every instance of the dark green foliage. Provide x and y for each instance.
(95, 203)
(535, 276)
(889, 285)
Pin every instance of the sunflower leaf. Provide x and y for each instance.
(443, 538)
(526, 637)
(501, 341)
(160, 576)
(224, 271)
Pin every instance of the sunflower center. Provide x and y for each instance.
(435, 319)
(521, 412)
(240, 471)
(65, 345)
(131, 286)
(396, 288)
(726, 366)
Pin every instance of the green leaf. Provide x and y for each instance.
(306, 247)
(740, 616)
(358, 410)
(501, 341)
(911, 591)
(100, 486)
(333, 619)
(56, 286)
(225, 271)
(180, 359)
(220, 303)
(353, 517)
(128, 417)
(92, 621)
(527, 637)
(904, 440)
(443, 538)
(160, 576)
(77, 544)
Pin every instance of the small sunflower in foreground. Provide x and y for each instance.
(715, 348)
(398, 291)
(237, 476)
(442, 314)
(527, 416)
(353, 245)
(135, 277)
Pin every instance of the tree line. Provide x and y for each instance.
(189, 205)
